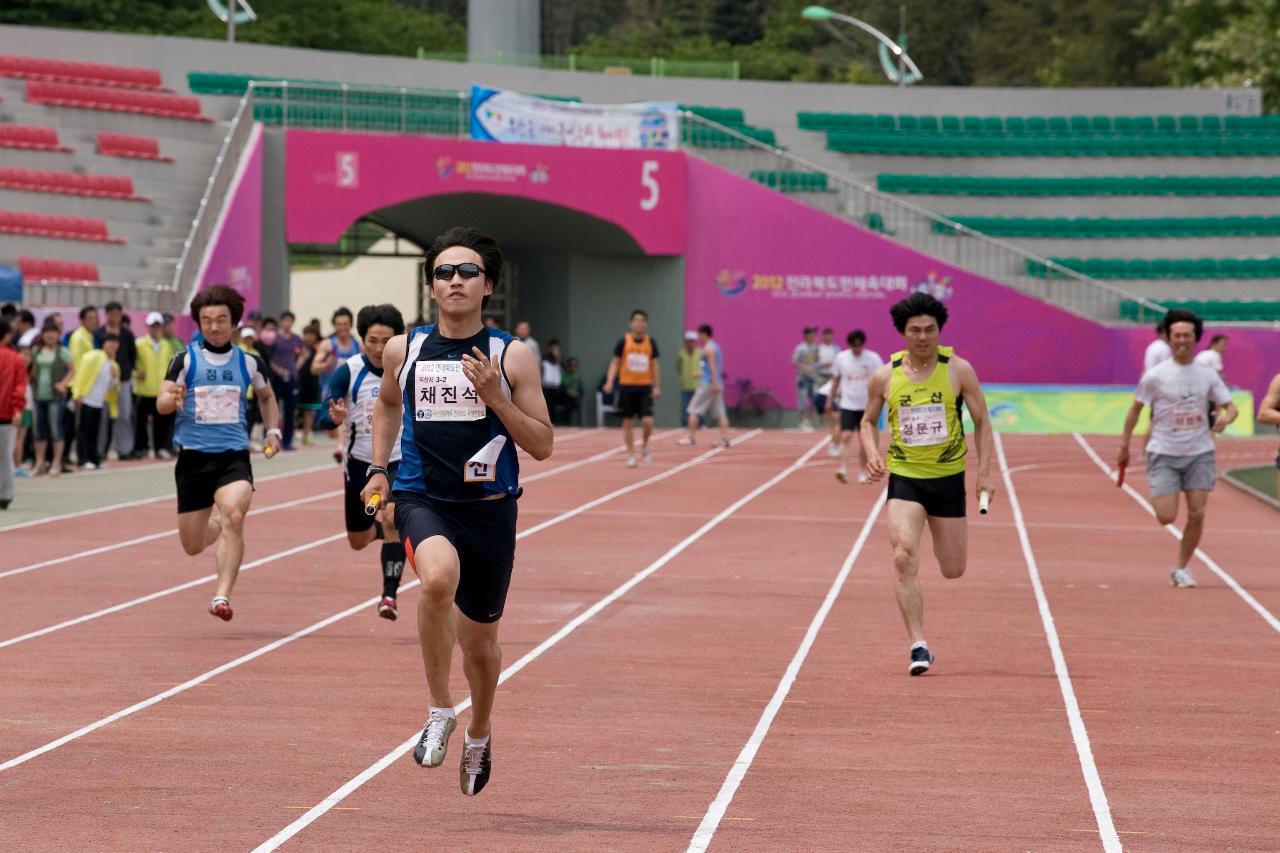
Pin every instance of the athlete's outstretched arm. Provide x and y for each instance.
(525, 414)
(387, 414)
(984, 441)
(1130, 424)
(869, 432)
(1269, 409)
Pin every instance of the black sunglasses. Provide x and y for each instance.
(445, 272)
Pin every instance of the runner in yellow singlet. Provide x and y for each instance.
(926, 386)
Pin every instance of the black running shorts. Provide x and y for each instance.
(484, 535)
(356, 476)
(199, 475)
(850, 420)
(941, 497)
(635, 401)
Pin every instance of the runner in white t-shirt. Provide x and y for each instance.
(853, 368)
(1180, 447)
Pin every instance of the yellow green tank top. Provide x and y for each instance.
(928, 436)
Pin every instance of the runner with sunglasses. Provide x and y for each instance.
(465, 396)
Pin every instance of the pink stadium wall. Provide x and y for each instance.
(760, 267)
(235, 255)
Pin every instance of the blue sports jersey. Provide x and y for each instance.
(452, 447)
(212, 418)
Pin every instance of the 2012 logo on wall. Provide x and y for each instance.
(444, 167)
(541, 174)
(939, 287)
(731, 282)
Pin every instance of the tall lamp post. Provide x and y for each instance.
(231, 15)
(906, 73)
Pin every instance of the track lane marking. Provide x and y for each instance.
(1079, 734)
(349, 787)
(1231, 582)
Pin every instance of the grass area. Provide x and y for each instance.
(1259, 477)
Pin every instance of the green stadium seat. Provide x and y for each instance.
(1211, 124)
(1137, 268)
(1059, 125)
(1079, 124)
(908, 123)
(949, 124)
(1166, 124)
(1100, 124)
(1015, 125)
(1189, 124)
(1037, 125)
(1122, 124)
(1145, 125)
(1161, 268)
(885, 122)
(928, 124)
(993, 126)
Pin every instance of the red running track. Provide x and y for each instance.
(621, 734)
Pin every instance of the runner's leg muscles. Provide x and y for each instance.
(1197, 503)
(436, 562)
(906, 525)
(197, 530)
(950, 545)
(1166, 507)
(482, 663)
(232, 501)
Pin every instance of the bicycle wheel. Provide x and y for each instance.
(759, 409)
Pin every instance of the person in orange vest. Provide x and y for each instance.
(634, 368)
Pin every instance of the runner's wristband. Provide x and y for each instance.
(376, 469)
(273, 431)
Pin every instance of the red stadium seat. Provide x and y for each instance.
(62, 71)
(35, 138)
(68, 183)
(116, 100)
(61, 227)
(51, 269)
(125, 145)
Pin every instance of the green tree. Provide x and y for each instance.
(1220, 43)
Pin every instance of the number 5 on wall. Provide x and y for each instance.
(648, 180)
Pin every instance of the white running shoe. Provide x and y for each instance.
(687, 441)
(863, 478)
(1181, 578)
(477, 761)
(833, 450)
(631, 461)
(805, 426)
(646, 456)
(435, 739)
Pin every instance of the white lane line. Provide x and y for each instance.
(170, 591)
(93, 552)
(156, 499)
(107, 611)
(186, 685)
(536, 652)
(1231, 582)
(737, 772)
(1080, 735)
(150, 537)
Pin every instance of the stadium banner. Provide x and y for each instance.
(761, 266)
(1099, 410)
(500, 115)
(333, 178)
(234, 256)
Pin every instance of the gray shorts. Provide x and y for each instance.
(706, 403)
(1168, 475)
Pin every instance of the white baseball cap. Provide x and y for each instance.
(690, 335)
(155, 318)
(247, 332)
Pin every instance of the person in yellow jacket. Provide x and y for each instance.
(926, 387)
(96, 386)
(155, 351)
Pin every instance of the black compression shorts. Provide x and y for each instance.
(941, 497)
(199, 475)
(355, 478)
(850, 420)
(635, 401)
(484, 535)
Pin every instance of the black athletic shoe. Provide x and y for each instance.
(920, 659)
(473, 773)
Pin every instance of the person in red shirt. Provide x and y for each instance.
(13, 399)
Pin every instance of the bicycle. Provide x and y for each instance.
(756, 406)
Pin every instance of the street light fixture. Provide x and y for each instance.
(228, 13)
(888, 48)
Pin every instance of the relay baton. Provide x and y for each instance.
(268, 451)
(372, 505)
(1120, 474)
(984, 502)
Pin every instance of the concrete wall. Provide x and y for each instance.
(364, 281)
(510, 27)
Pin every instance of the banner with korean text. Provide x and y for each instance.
(500, 115)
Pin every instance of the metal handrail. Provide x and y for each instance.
(185, 275)
(885, 200)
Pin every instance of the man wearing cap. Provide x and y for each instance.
(689, 366)
(154, 352)
(805, 360)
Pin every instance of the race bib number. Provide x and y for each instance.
(217, 404)
(442, 392)
(922, 426)
(1190, 416)
(483, 467)
(637, 362)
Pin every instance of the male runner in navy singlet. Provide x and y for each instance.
(466, 395)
